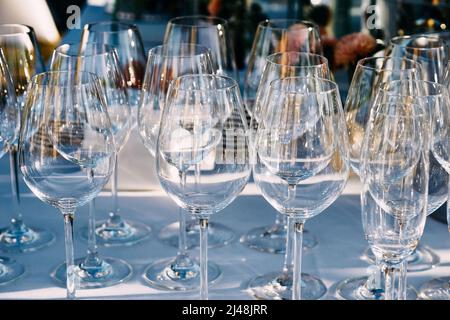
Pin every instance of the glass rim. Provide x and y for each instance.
(231, 83)
(441, 89)
(305, 23)
(159, 50)
(441, 42)
(124, 26)
(363, 60)
(333, 85)
(221, 21)
(270, 57)
(25, 29)
(108, 49)
(36, 79)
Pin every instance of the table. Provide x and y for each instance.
(338, 230)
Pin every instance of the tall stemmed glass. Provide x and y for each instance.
(165, 63)
(369, 75)
(301, 168)
(213, 33)
(127, 41)
(202, 156)
(21, 52)
(439, 98)
(210, 32)
(277, 35)
(10, 270)
(280, 65)
(94, 271)
(394, 169)
(66, 147)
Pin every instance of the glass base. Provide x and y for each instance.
(126, 233)
(356, 289)
(278, 286)
(218, 234)
(422, 259)
(160, 275)
(25, 239)
(272, 239)
(110, 272)
(436, 289)
(10, 270)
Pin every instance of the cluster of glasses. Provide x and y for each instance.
(65, 127)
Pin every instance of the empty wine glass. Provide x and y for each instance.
(394, 169)
(93, 270)
(210, 32)
(165, 63)
(126, 39)
(213, 33)
(301, 167)
(202, 156)
(22, 54)
(439, 288)
(66, 147)
(280, 65)
(10, 270)
(277, 35)
(369, 75)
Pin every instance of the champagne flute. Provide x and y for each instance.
(370, 74)
(165, 63)
(66, 147)
(301, 167)
(22, 54)
(127, 41)
(10, 270)
(213, 33)
(280, 65)
(202, 151)
(93, 270)
(394, 169)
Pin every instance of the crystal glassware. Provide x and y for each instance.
(394, 170)
(94, 271)
(166, 63)
(66, 147)
(301, 167)
(279, 65)
(22, 54)
(202, 156)
(127, 41)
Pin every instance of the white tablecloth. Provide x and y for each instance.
(337, 256)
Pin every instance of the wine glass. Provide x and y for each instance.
(301, 167)
(202, 155)
(280, 65)
(93, 270)
(370, 74)
(66, 147)
(10, 270)
(439, 288)
(165, 63)
(213, 33)
(22, 54)
(126, 39)
(277, 35)
(394, 169)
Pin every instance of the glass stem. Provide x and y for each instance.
(182, 246)
(114, 215)
(287, 267)
(16, 220)
(389, 278)
(70, 266)
(92, 259)
(203, 258)
(402, 282)
(298, 243)
(448, 205)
